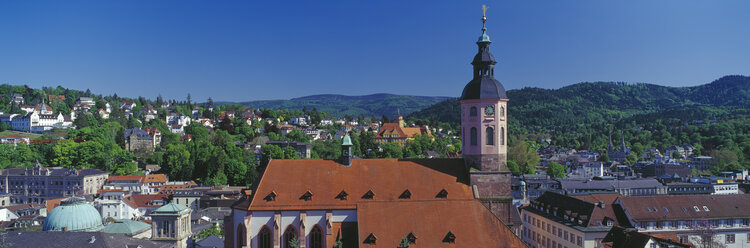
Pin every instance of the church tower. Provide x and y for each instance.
(484, 108)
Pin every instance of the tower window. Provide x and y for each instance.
(502, 136)
(490, 136)
(473, 136)
(473, 111)
(502, 111)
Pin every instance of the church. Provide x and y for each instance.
(463, 202)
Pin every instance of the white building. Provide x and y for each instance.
(112, 204)
(722, 219)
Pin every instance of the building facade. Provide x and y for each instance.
(38, 184)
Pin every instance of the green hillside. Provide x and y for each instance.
(339, 105)
(547, 110)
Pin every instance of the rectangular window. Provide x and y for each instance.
(730, 238)
(579, 240)
(566, 235)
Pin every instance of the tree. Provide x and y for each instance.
(271, 152)
(676, 154)
(391, 150)
(556, 170)
(290, 153)
(215, 230)
(514, 168)
(524, 155)
(177, 162)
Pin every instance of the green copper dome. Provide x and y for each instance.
(484, 38)
(346, 141)
(73, 215)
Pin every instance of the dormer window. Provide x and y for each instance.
(412, 238)
(342, 195)
(405, 195)
(368, 195)
(442, 194)
(306, 196)
(270, 197)
(371, 239)
(705, 209)
(449, 238)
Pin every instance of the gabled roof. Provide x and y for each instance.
(405, 132)
(619, 237)
(686, 207)
(144, 201)
(472, 224)
(387, 178)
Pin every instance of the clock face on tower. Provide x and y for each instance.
(489, 110)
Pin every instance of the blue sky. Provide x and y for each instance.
(251, 50)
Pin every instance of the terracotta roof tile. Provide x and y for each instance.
(472, 224)
(387, 178)
(156, 178)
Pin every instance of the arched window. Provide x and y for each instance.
(316, 237)
(490, 136)
(290, 235)
(502, 112)
(502, 136)
(473, 111)
(264, 237)
(473, 136)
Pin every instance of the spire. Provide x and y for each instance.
(484, 38)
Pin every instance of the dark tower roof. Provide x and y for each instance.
(484, 85)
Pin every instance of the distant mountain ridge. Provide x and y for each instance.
(342, 105)
(584, 103)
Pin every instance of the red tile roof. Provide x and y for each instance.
(138, 178)
(156, 178)
(403, 132)
(683, 207)
(472, 224)
(387, 178)
(144, 201)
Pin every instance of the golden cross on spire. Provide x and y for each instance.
(484, 13)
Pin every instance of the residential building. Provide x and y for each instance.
(628, 187)
(619, 237)
(698, 219)
(555, 220)
(17, 99)
(38, 184)
(86, 100)
(686, 188)
(399, 132)
(302, 148)
(14, 139)
(137, 139)
(684, 151)
(112, 203)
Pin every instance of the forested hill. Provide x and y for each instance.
(340, 105)
(584, 104)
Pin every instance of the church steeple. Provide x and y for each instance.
(484, 62)
(484, 85)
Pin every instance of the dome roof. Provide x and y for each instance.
(73, 215)
(484, 88)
